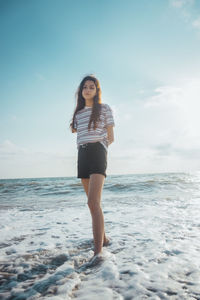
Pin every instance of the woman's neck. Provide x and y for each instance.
(89, 102)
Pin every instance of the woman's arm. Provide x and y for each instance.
(110, 134)
(72, 129)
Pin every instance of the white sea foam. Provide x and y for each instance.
(154, 253)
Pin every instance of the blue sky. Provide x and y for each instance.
(146, 56)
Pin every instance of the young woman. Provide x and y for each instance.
(93, 122)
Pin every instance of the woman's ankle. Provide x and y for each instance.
(98, 253)
(106, 241)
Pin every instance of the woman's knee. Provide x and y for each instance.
(93, 204)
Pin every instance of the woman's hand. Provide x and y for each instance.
(72, 129)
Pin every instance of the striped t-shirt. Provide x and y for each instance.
(81, 121)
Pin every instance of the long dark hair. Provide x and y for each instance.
(96, 109)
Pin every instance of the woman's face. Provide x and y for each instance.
(89, 90)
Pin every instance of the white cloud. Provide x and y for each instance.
(181, 3)
(181, 104)
(184, 99)
(196, 23)
(187, 11)
(160, 133)
(20, 162)
(9, 148)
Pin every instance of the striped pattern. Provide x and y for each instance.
(84, 135)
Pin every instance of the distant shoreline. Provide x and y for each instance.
(110, 175)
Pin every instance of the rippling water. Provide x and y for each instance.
(152, 221)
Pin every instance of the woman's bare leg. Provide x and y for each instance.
(94, 202)
(85, 183)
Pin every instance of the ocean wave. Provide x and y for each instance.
(56, 193)
(134, 184)
(15, 190)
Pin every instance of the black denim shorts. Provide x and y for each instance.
(92, 159)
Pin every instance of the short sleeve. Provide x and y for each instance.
(75, 122)
(109, 120)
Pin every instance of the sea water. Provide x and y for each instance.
(152, 221)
